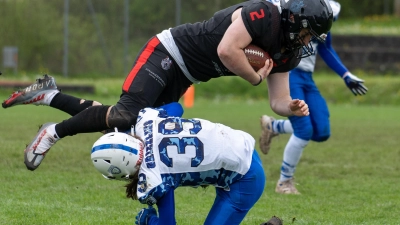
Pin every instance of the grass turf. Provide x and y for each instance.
(350, 179)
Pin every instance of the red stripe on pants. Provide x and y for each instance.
(144, 56)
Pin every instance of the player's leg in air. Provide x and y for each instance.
(139, 91)
(45, 92)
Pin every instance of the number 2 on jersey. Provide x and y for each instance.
(258, 15)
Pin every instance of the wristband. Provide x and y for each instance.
(345, 74)
(259, 82)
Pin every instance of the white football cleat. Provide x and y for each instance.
(266, 133)
(286, 187)
(39, 146)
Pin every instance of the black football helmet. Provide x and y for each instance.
(314, 15)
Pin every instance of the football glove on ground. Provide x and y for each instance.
(355, 84)
(144, 215)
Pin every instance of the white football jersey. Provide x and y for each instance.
(189, 152)
(308, 63)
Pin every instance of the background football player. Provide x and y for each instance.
(315, 127)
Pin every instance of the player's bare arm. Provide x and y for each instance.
(230, 51)
(279, 96)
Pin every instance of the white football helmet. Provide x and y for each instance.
(117, 155)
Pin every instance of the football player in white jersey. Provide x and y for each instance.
(169, 152)
(315, 127)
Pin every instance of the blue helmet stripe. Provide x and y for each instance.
(115, 146)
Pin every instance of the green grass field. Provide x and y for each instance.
(353, 178)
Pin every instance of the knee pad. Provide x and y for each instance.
(121, 118)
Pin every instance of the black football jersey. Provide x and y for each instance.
(198, 42)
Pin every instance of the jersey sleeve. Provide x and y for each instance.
(330, 57)
(256, 19)
(173, 109)
(166, 208)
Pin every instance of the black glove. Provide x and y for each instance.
(355, 84)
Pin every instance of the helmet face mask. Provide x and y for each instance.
(314, 15)
(117, 156)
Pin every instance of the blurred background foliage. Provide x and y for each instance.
(96, 29)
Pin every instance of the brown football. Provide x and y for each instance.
(256, 56)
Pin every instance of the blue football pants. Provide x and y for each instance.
(230, 207)
(316, 126)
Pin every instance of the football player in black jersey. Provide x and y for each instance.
(192, 53)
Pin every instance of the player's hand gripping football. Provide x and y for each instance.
(259, 60)
(355, 84)
(299, 107)
(266, 69)
(144, 215)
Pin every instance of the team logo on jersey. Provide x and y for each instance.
(166, 63)
(142, 183)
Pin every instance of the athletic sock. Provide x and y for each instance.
(291, 157)
(282, 126)
(93, 119)
(52, 130)
(50, 96)
(69, 104)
